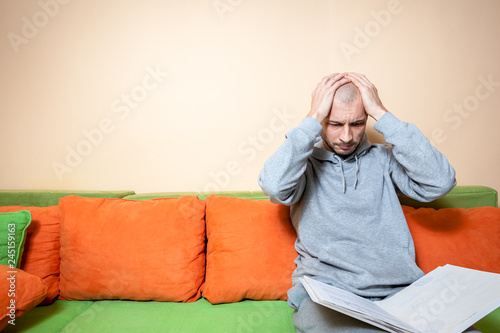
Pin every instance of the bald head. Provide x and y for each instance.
(346, 93)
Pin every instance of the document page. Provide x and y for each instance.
(448, 299)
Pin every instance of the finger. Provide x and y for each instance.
(357, 75)
(325, 79)
(332, 86)
(339, 83)
(334, 78)
(330, 76)
(328, 81)
(361, 79)
(359, 82)
(329, 92)
(355, 79)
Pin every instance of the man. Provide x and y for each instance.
(343, 192)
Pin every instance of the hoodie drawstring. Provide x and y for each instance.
(357, 171)
(343, 175)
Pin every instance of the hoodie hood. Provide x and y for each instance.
(321, 153)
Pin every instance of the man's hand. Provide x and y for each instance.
(369, 95)
(322, 96)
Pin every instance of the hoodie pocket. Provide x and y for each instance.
(371, 269)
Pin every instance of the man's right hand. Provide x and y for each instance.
(322, 96)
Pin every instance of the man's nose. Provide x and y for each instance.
(346, 134)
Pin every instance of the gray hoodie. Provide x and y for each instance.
(351, 230)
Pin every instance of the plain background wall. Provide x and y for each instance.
(195, 95)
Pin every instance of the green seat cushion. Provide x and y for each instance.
(51, 198)
(13, 228)
(490, 323)
(199, 316)
(52, 318)
(158, 317)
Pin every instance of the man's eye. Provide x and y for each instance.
(357, 124)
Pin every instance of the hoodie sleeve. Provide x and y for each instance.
(418, 169)
(283, 176)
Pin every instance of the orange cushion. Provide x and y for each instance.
(250, 250)
(458, 236)
(41, 249)
(136, 250)
(21, 292)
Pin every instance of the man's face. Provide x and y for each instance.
(344, 127)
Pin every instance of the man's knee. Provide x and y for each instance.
(307, 318)
(311, 317)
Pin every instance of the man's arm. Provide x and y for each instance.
(418, 169)
(283, 175)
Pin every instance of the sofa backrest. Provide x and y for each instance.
(459, 197)
(256, 195)
(44, 198)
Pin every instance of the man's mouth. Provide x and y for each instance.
(346, 147)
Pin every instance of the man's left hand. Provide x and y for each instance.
(369, 94)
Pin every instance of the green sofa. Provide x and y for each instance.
(199, 316)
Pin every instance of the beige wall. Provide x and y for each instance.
(195, 95)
